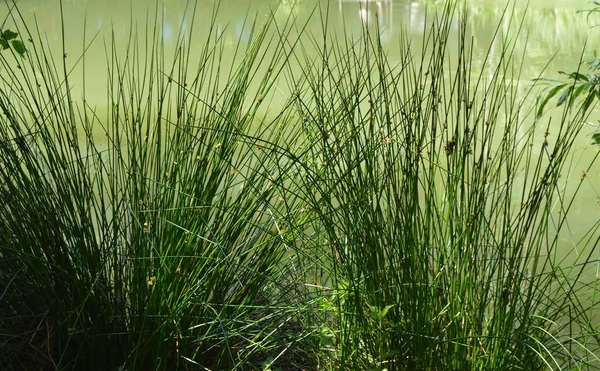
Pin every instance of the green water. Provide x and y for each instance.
(552, 39)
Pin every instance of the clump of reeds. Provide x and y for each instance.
(386, 217)
(149, 236)
(439, 205)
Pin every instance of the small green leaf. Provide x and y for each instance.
(546, 98)
(19, 47)
(564, 96)
(385, 310)
(8, 35)
(596, 138)
(575, 76)
(579, 76)
(4, 44)
(588, 101)
(581, 89)
(594, 64)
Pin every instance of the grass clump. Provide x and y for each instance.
(154, 245)
(387, 216)
(437, 206)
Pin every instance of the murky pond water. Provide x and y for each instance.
(552, 39)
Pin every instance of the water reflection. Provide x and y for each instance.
(550, 29)
(370, 12)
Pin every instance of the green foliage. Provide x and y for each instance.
(385, 218)
(8, 38)
(579, 87)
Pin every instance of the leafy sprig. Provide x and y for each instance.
(8, 38)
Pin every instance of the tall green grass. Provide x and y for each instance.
(156, 244)
(441, 210)
(385, 217)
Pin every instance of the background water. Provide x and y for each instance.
(552, 39)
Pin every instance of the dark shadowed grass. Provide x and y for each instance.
(159, 244)
(385, 217)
